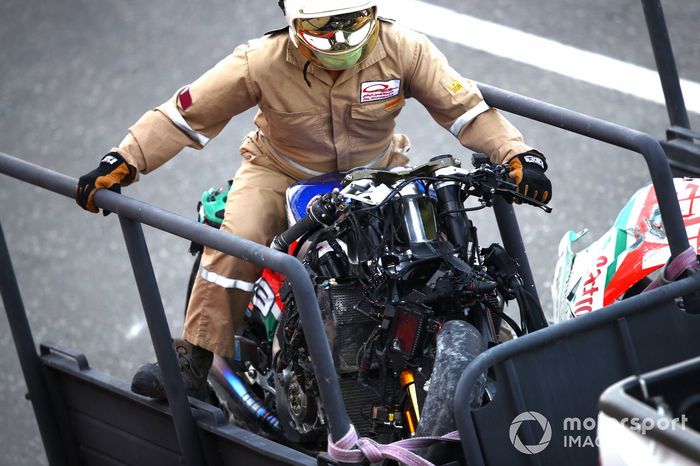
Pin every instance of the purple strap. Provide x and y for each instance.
(686, 260)
(351, 449)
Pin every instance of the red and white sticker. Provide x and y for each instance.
(372, 91)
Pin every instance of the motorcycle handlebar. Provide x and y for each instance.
(282, 241)
(324, 212)
(504, 185)
(321, 212)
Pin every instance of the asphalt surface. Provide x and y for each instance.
(77, 73)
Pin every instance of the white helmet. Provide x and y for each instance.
(334, 34)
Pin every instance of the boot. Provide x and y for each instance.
(194, 365)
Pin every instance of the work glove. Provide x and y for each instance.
(527, 171)
(112, 172)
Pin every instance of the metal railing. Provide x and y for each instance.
(133, 213)
(547, 338)
(682, 144)
(611, 133)
(665, 63)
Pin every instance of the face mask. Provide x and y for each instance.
(340, 61)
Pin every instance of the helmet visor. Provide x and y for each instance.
(338, 33)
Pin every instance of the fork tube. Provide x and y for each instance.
(412, 414)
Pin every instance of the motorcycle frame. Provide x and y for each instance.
(133, 213)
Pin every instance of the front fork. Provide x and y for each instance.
(412, 411)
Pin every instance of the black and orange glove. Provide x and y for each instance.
(112, 173)
(527, 170)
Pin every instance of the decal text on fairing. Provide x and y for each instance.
(590, 288)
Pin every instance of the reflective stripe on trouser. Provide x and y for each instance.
(221, 292)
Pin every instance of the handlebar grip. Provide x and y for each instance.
(282, 241)
(322, 212)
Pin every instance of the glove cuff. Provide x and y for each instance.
(112, 161)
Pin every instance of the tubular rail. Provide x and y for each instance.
(132, 213)
(665, 63)
(614, 134)
(548, 336)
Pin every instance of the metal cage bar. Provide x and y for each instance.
(152, 303)
(37, 385)
(614, 134)
(260, 255)
(513, 242)
(561, 331)
(665, 63)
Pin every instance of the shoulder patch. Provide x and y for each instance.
(185, 99)
(455, 86)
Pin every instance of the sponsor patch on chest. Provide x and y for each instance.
(372, 91)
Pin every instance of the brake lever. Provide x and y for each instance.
(507, 186)
(527, 200)
(494, 179)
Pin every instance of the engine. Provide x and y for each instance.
(398, 260)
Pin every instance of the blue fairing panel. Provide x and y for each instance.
(300, 193)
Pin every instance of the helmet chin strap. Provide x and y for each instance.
(306, 70)
(305, 52)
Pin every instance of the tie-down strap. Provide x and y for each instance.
(352, 449)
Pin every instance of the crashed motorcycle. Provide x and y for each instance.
(631, 257)
(407, 295)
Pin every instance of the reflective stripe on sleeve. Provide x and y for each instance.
(224, 282)
(467, 118)
(171, 111)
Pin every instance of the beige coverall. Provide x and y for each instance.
(302, 130)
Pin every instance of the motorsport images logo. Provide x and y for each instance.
(529, 416)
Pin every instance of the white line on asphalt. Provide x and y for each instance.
(536, 51)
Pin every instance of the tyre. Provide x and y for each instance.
(458, 344)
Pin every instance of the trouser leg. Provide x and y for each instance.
(223, 286)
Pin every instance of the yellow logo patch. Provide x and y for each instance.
(455, 86)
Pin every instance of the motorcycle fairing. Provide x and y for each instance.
(266, 301)
(635, 247)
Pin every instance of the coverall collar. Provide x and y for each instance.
(295, 58)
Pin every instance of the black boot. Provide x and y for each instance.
(194, 365)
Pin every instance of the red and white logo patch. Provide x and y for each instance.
(371, 91)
